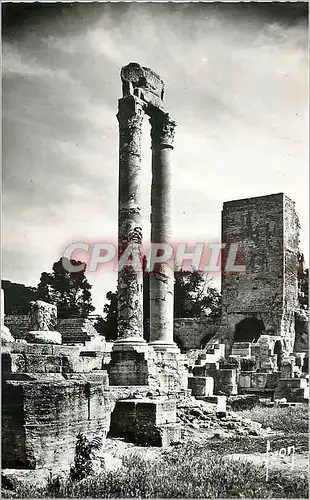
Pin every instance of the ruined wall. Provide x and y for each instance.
(143, 366)
(49, 394)
(73, 330)
(266, 231)
(41, 420)
(291, 246)
(190, 332)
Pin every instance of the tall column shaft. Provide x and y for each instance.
(130, 279)
(162, 276)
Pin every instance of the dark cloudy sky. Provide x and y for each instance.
(236, 83)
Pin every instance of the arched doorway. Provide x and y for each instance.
(249, 330)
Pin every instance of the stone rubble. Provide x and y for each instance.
(201, 415)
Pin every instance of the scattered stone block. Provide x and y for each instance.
(245, 380)
(258, 381)
(145, 421)
(210, 399)
(287, 367)
(241, 349)
(201, 386)
(295, 389)
(225, 381)
(242, 401)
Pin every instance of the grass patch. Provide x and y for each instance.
(288, 420)
(190, 471)
(257, 444)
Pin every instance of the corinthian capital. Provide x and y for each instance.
(130, 112)
(162, 130)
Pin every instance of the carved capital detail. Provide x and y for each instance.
(162, 130)
(130, 113)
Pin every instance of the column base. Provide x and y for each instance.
(159, 345)
(43, 337)
(129, 365)
(123, 344)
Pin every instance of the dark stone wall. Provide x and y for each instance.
(266, 230)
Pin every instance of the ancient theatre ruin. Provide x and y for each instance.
(61, 378)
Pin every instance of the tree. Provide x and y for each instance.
(108, 326)
(194, 296)
(68, 290)
(44, 288)
(17, 297)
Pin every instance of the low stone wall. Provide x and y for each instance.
(188, 332)
(73, 330)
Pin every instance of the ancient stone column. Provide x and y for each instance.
(43, 321)
(130, 278)
(162, 275)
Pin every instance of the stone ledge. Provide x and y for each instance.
(43, 337)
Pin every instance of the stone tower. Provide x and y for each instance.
(263, 298)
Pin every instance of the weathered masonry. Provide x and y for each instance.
(143, 92)
(133, 361)
(264, 298)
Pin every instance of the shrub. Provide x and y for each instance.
(83, 460)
